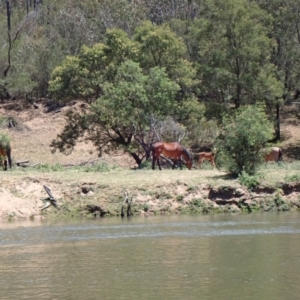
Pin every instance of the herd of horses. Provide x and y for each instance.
(174, 151)
(179, 154)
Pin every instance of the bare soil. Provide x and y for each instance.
(78, 192)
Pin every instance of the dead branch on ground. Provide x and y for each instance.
(49, 201)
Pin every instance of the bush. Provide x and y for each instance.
(292, 178)
(249, 181)
(243, 137)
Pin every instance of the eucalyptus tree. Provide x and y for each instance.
(160, 46)
(11, 27)
(82, 76)
(232, 47)
(286, 49)
(27, 52)
(123, 112)
(163, 11)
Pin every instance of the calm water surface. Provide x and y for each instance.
(254, 256)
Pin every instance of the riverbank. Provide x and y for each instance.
(88, 185)
(94, 192)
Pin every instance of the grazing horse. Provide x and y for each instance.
(274, 155)
(171, 150)
(5, 152)
(210, 156)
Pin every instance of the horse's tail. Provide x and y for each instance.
(8, 153)
(280, 155)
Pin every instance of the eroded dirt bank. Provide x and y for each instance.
(22, 196)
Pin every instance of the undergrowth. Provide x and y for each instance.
(249, 181)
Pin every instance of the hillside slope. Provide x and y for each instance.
(38, 127)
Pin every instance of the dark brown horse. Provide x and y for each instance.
(172, 150)
(5, 152)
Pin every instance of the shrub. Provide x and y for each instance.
(249, 181)
(292, 178)
(243, 137)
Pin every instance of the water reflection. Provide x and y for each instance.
(178, 257)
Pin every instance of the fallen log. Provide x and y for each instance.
(19, 163)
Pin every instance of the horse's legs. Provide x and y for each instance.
(213, 163)
(200, 162)
(8, 153)
(180, 164)
(174, 163)
(5, 165)
(177, 162)
(153, 162)
(158, 163)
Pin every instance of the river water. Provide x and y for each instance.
(255, 256)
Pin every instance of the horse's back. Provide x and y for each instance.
(274, 155)
(206, 154)
(167, 146)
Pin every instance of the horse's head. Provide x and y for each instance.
(189, 164)
(187, 158)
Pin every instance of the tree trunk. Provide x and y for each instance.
(136, 158)
(277, 126)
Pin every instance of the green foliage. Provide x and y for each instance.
(132, 96)
(125, 108)
(249, 181)
(232, 46)
(160, 47)
(179, 198)
(146, 164)
(292, 178)
(65, 83)
(3, 121)
(4, 141)
(152, 39)
(243, 137)
(84, 75)
(146, 207)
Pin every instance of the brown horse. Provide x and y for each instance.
(210, 156)
(5, 152)
(171, 150)
(274, 155)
